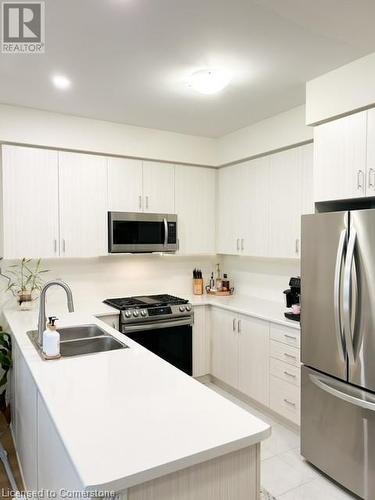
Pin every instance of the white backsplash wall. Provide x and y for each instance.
(121, 276)
(264, 278)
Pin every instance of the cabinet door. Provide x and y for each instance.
(124, 185)
(201, 342)
(254, 212)
(306, 160)
(224, 346)
(195, 207)
(30, 202)
(83, 205)
(26, 421)
(340, 158)
(228, 210)
(370, 183)
(253, 358)
(285, 204)
(158, 187)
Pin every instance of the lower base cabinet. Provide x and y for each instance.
(259, 359)
(240, 347)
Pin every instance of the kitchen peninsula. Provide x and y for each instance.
(125, 421)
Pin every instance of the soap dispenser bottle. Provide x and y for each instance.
(51, 340)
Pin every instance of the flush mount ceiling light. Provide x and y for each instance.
(61, 82)
(209, 81)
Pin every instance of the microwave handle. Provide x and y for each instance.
(165, 232)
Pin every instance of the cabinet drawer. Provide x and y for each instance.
(286, 335)
(288, 373)
(283, 352)
(285, 399)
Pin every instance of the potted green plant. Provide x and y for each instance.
(25, 281)
(5, 365)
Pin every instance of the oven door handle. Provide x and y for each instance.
(156, 326)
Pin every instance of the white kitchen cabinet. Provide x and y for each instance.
(125, 189)
(228, 187)
(158, 187)
(254, 209)
(83, 205)
(253, 355)
(340, 158)
(370, 182)
(201, 342)
(285, 204)
(224, 346)
(306, 161)
(195, 207)
(30, 202)
(25, 414)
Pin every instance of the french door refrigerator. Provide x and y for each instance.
(338, 347)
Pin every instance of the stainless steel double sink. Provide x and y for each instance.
(81, 340)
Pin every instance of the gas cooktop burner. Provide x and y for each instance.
(145, 301)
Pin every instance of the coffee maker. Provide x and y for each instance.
(292, 298)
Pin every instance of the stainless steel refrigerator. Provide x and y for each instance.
(338, 347)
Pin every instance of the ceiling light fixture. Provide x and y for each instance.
(61, 82)
(209, 81)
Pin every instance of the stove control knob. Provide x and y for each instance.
(128, 314)
(135, 313)
(143, 313)
(188, 307)
(182, 308)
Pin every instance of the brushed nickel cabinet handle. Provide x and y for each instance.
(146, 202)
(297, 246)
(371, 173)
(242, 244)
(140, 202)
(238, 243)
(290, 356)
(290, 403)
(288, 374)
(360, 179)
(289, 337)
(55, 245)
(63, 245)
(239, 327)
(234, 324)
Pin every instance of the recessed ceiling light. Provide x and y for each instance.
(61, 82)
(209, 81)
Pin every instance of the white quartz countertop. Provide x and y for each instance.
(127, 416)
(242, 304)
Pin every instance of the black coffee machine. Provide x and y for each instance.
(292, 297)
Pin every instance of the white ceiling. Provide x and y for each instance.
(129, 59)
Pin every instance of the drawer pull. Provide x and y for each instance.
(289, 374)
(290, 356)
(290, 403)
(290, 337)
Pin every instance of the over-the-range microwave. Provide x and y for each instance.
(134, 232)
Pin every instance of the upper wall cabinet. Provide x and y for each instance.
(30, 202)
(158, 187)
(260, 203)
(137, 186)
(195, 207)
(340, 165)
(125, 189)
(83, 205)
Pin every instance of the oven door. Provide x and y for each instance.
(171, 340)
(141, 232)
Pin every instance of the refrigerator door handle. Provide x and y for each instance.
(337, 288)
(338, 389)
(347, 295)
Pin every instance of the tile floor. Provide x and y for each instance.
(285, 475)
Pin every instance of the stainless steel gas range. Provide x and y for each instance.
(160, 323)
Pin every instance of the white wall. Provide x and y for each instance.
(42, 128)
(264, 278)
(341, 91)
(279, 131)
